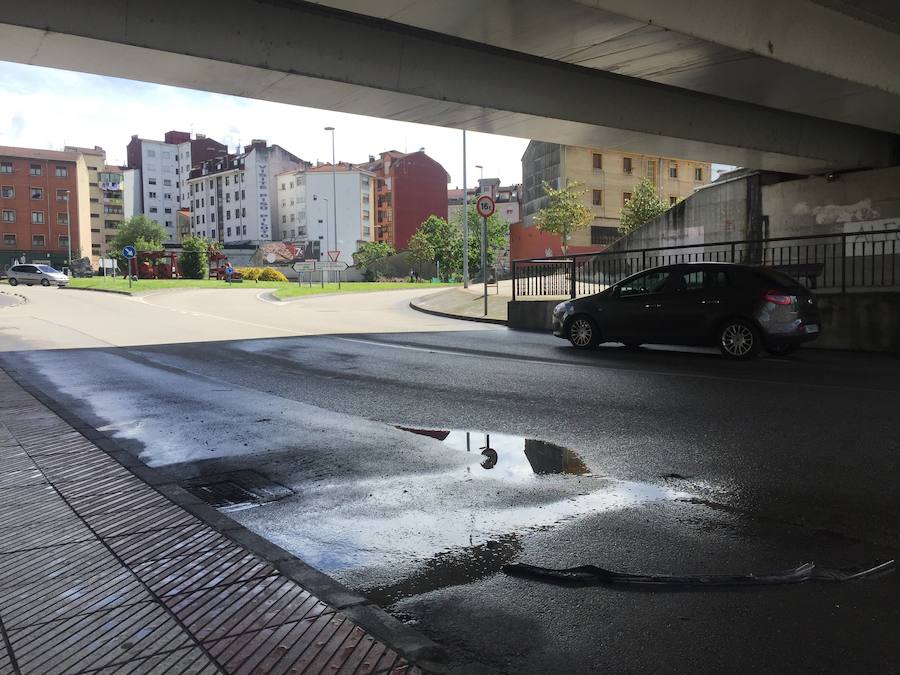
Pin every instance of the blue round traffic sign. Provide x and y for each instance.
(129, 252)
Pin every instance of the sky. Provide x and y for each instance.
(50, 108)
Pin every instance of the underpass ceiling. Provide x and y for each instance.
(575, 33)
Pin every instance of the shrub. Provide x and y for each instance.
(250, 273)
(195, 258)
(271, 274)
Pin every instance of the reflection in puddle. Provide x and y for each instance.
(511, 457)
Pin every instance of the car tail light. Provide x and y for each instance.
(778, 298)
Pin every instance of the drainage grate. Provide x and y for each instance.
(236, 490)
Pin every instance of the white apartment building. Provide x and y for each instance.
(164, 167)
(307, 201)
(230, 198)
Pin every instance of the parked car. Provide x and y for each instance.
(740, 309)
(36, 274)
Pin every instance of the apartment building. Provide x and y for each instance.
(409, 187)
(163, 170)
(44, 198)
(506, 197)
(610, 178)
(309, 199)
(230, 196)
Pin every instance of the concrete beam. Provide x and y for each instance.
(300, 53)
(798, 32)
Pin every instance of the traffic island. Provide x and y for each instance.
(107, 565)
(458, 303)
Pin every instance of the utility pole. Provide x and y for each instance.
(69, 228)
(465, 219)
(334, 199)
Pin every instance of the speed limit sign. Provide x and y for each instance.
(485, 206)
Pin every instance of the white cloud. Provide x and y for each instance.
(48, 108)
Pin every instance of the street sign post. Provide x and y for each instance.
(485, 207)
(304, 266)
(331, 266)
(335, 256)
(129, 253)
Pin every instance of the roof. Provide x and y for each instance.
(38, 153)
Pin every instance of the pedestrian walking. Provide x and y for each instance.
(229, 272)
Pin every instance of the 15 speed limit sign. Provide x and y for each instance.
(485, 206)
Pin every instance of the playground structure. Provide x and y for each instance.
(218, 262)
(155, 265)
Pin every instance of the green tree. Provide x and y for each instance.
(497, 235)
(369, 252)
(194, 258)
(138, 231)
(420, 249)
(565, 213)
(643, 206)
(446, 242)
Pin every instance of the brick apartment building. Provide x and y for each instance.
(44, 195)
(408, 188)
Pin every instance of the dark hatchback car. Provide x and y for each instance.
(738, 308)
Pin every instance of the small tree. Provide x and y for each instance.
(565, 214)
(446, 242)
(420, 250)
(195, 258)
(497, 235)
(643, 206)
(138, 231)
(370, 251)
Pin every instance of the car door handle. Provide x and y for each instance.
(652, 306)
(709, 302)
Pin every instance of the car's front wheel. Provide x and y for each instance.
(13, 281)
(45, 282)
(739, 339)
(583, 333)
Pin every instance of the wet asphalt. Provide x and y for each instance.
(651, 460)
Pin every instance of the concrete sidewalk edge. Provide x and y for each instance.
(408, 642)
(96, 290)
(448, 315)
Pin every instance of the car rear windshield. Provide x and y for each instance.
(47, 269)
(779, 278)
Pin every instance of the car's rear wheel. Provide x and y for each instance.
(781, 349)
(13, 281)
(45, 282)
(583, 333)
(739, 339)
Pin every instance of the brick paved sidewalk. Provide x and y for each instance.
(101, 572)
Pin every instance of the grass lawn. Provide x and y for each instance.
(285, 289)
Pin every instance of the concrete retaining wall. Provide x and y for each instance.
(855, 321)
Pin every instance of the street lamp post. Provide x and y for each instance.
(334, 198)
(484, 279)
(465, 220)
(69, 229)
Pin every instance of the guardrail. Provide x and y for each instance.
(829, 262)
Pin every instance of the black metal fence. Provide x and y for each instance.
(827, 262)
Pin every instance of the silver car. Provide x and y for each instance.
(36, 274)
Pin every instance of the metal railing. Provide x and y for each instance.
(826, 262)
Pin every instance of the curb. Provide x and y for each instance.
(97, 290)
(462, 317)
(22, 299)
(408, 642)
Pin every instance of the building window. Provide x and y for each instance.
(212, 233)
(598, 161)
(153, 209)
(168, 223)
(151, 153)
(698, 173)
(236, 195)
(673, 169)
(283, 218)
(228, 197)
(228, 232)
(212, 217)
(37, 241)
(597, 198)
(203, 218)
(9, 216)
(244, 214)
(292, 217)
(211, 185)
(7, 192)
(243, 194)
(626, 165)
(673, 201)
(37, 217)
(626, 196)
(601, 236)
(228, 216)
(168, 210)
(151, 195)
(62, 195)
(6, 167)
(167, 182)
(62, 218)
(37, 193)
(151, 181)
(244, 229)
(226, 183)
(36, 170)
(9, 240)
(284, 234)
(283, 188)
(167, 195)
(212, 201)
(63, 241)
(62, 172)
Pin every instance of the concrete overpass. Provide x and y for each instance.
(790, 85)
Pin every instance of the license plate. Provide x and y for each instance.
(811, 328)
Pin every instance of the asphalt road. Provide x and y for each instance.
(653, 460)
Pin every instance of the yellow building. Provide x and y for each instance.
(610, 177)
(105, 198)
